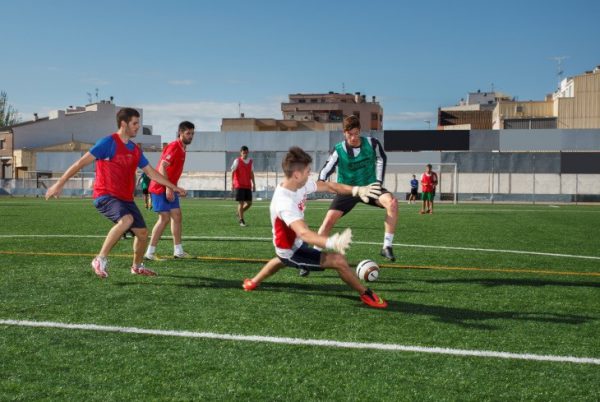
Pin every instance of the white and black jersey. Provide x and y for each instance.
(381, 160)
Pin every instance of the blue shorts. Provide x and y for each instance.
(114, 209)
(161, 204)
(304, 258)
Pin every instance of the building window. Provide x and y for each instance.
(2, 144)
(519, 109)
(374, 117)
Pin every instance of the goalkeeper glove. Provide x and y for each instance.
(340, 241)
(373, 190)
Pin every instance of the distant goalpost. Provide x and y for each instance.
(447, 188)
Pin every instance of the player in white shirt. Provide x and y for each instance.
(292, 237)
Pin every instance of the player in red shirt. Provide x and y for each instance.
(117, 159)
(164, 201)
(242, 183)
(428, 185)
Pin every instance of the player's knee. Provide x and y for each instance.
(338, 261)
(394, 205)
(141, 234)
(126, 220)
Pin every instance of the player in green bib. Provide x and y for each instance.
(359, 161)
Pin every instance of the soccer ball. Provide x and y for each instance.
(367, 270)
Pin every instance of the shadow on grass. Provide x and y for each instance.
(515, 282)
(464, 317)
(475, 319)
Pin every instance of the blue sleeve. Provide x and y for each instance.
(143, 161)
(104, 149)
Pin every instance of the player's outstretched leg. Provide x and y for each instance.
(271, 267)
(347, 274)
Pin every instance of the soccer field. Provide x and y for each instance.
(487, 302)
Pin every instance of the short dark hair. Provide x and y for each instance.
(429, 165)
(351, 122)
(296, 159)
(185, 125)
(125, 115)
(244, 148)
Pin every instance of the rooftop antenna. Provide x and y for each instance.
(96, 95)
(559, 68)
(343, 88)
(89, 95)
(240, 109)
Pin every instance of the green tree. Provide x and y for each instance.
(8, 114)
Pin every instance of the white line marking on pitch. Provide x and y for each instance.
(306, 342)
(487, 250)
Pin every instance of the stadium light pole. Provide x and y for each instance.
(428, 124)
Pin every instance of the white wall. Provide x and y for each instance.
(89, 126)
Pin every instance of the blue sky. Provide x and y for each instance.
(197, 60)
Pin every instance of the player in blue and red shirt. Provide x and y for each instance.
(117, 159)
(165, 202)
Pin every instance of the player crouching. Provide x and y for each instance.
(291, 235)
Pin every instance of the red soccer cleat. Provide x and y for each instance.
(248, 285)
(142, 270)
(372, 300)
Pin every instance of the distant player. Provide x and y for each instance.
(117, 159)
(291, 235)
(359, 161)
(428, 184)
(165, 201)
(144, 180)
(414, 190)
(242, 182)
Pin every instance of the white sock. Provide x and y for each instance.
(151, 250)
(178, 249)
(388, 239)
(317, 248)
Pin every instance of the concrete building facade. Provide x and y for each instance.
(84, 124)
(575, 105)
(315, 112)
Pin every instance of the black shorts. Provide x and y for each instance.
(305, 257)
(145, 191)
(414, 191)
(114, 209)
(345, 203)
(243, 194)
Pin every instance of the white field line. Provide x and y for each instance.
(268, 239)
(306, 342)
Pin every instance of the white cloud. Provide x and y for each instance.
(206, 116)
(185, 83)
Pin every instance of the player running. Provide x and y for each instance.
(117, 159)
(291, 235)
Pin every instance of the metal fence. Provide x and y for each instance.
(454, 185)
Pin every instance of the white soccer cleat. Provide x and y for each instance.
(152, 257)
(183, 255)
(99, 264)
